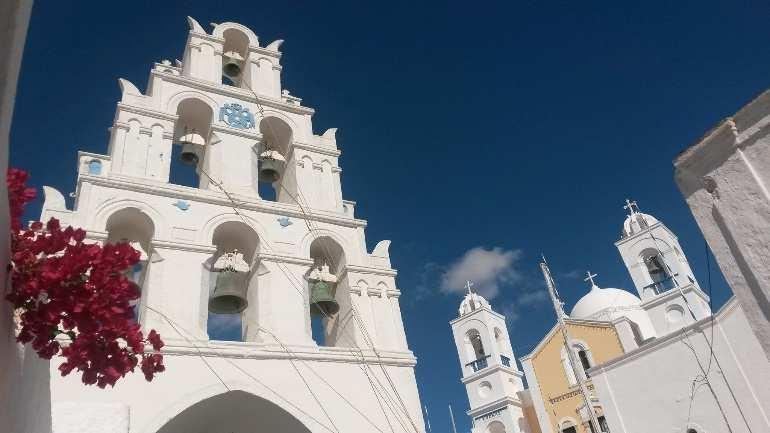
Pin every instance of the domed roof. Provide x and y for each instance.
(635, 221)
(472, 302)
(598, 300)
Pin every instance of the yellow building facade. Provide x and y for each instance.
(556, 398)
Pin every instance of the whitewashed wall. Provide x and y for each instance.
(724, 179)
(24, 381)
(656, 387)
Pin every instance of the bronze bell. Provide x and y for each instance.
(192, 148)
(232, 63)
(322, 301)
(271, 166)
(229, 295)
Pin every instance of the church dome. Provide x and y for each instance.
(472, 302)
(636, 222)
(601, 304)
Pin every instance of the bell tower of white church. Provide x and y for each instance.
(661, 273)
(489, 371)
(271, 264)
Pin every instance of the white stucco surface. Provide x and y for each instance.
(24, 381)
(724, 178)
(661, 386)
(90, 418)
(360, 375)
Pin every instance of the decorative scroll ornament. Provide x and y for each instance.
(231, 261)
(236, 116)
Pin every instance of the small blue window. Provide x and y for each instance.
(95, 167)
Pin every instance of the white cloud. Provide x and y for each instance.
(532, 298)
(488, 269)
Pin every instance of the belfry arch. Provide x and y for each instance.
(192, 135)
(277, 136)
(229, 237)
(234, 412)
(339, 328)
(135, 227)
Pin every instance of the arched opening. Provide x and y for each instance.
(661, 277)
(192, 136)
(234, 53)
(234, 412)
(232, 295)
(495, 427)
(584, 361)
(135, 227)
(569, 372)
(270, 159)
(474, 347)
(505, 356)
(331, 318)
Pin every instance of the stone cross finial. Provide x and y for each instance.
(468, 286)
(631, 206)
(590, 277)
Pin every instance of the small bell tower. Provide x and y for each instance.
(660, 271)
(489, 371)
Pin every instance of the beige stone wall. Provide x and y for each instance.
(559, 398)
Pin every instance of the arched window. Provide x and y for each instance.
(584, 361)
(505, 356)
(582, 354)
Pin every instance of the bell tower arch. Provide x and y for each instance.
(492, 379)
(661, 272)
(229, 278)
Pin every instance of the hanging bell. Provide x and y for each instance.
(322, 301)
(232, 64)
(229, 295)
(271, 166)
(192, 148)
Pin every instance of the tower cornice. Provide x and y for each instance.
(234, 92)
(218, 198)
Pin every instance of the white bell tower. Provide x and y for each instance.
(491, 377)
(272, 265)
(661, 273)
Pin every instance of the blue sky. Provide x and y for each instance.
(474, 135)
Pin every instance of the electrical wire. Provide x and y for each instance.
(176, 327)
(308, 221)
(293, 278)
(703, 378)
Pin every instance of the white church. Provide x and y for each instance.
(657, 360)
(276, 263)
